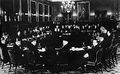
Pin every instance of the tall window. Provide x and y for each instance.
(46, 18)
(24, 5)
(46, 9)
(45, 12)
(33, 11)
(16, 6)
(33, 19)
(33, 8)
(40, 18)
(50, 10)
(40, 12)
(25, 18)
(40, 9)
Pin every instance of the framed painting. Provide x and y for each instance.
(83, 10)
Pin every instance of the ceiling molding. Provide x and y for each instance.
(62, 0)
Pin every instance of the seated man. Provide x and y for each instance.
(33, 47)
(4, 51)
(18, 51)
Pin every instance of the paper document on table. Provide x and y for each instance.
(76, 49)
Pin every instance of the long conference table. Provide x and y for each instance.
(76, 56)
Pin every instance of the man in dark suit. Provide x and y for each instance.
(34, 48)
(104, 44)
(4, 51)
(18, 52)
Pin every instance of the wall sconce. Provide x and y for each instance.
(59, 15)
(109, 13)
(74, 14)
(92, 14)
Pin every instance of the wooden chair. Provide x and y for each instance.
(30, 64)
(4, 58)
(1, 57)
(14, 60)
(114, 54)
(97, 62)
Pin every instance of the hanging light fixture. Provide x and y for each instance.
(68, 5)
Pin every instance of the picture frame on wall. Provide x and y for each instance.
(83, 10)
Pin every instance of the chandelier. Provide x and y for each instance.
(68, 5)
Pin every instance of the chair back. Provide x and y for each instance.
(29, 57)
(12, 56)
(99, 56)
(93, 53)
(1, 54)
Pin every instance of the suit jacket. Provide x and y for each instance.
(18, 50)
